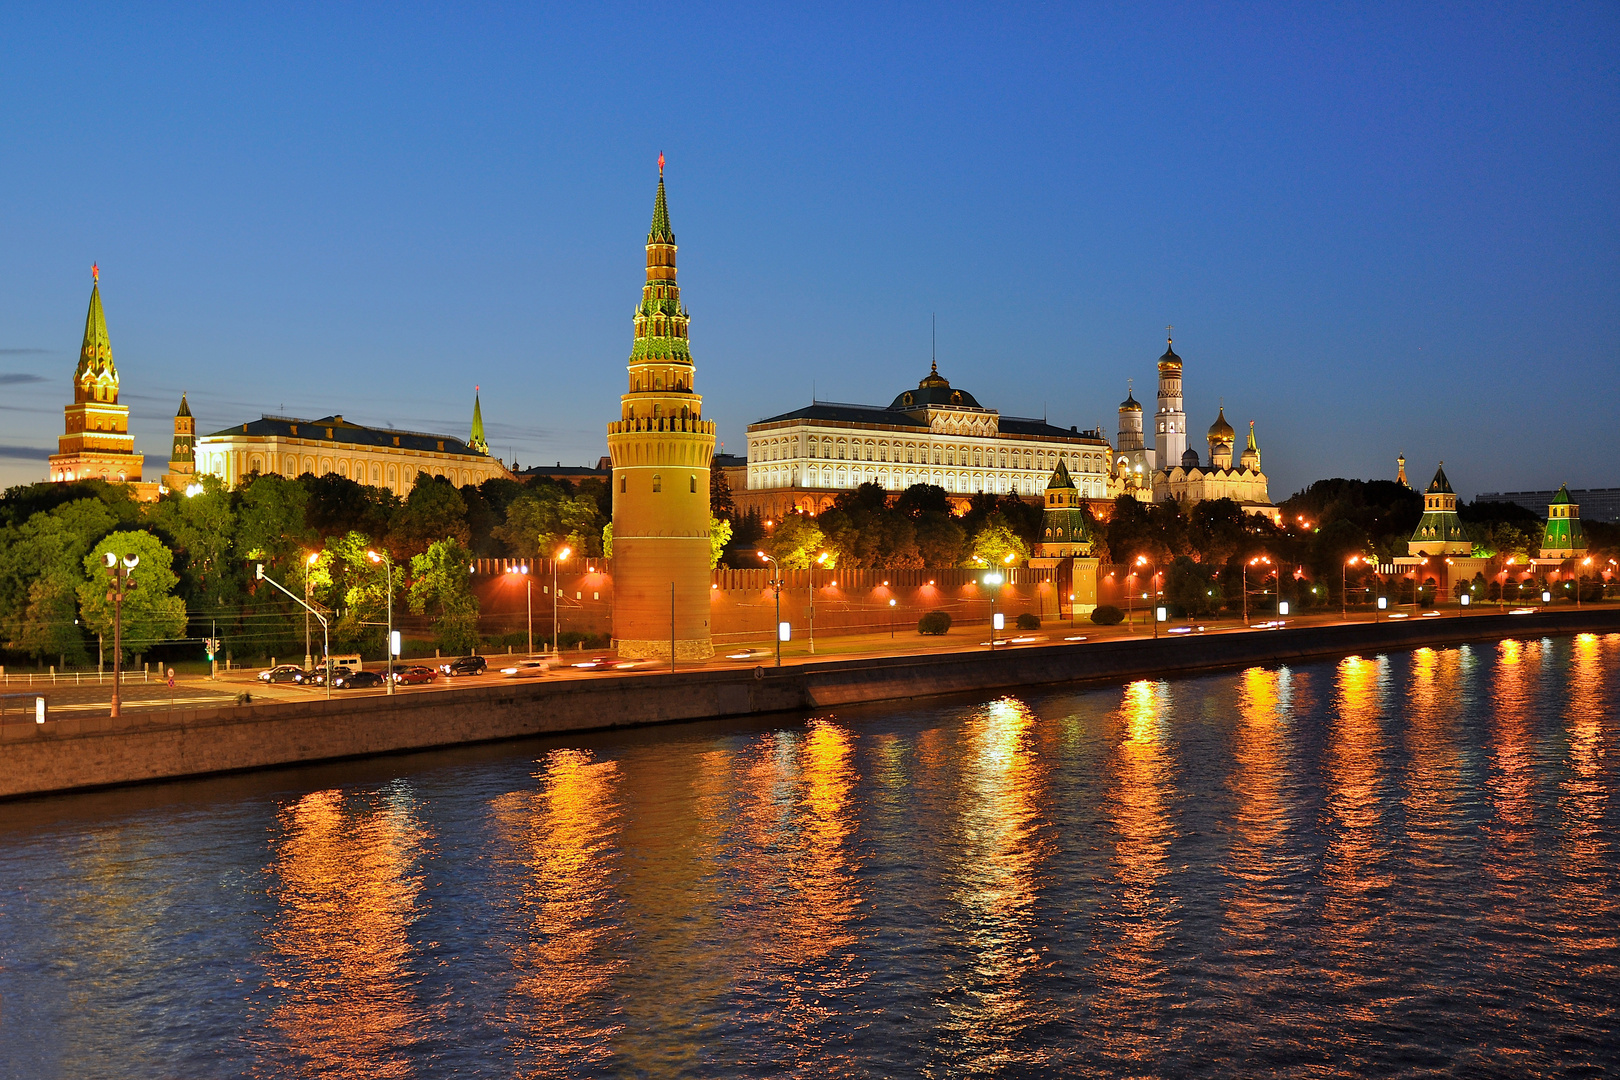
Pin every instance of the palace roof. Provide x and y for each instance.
(338, 430)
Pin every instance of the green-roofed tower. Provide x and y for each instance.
(96, 443)
(476, 440)
(1065, 532)
(1563, 538)
(182, 472)
(1440, 531)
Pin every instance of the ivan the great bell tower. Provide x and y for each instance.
(662, 449)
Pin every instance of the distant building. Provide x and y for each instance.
(572, 473)
(182, 473)
(96, 443)
(380, 457)
(1597, 504)
(934, 434)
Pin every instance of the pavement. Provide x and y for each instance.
(88, 694)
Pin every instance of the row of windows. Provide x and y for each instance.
(655, 381)
(920, 453)
(826, 476)
(374, 473)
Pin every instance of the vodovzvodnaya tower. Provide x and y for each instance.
(662, 449)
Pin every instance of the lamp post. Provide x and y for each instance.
(821, 560)
(1417, 584)
(123, 579)
(992, 581)
(1344, 587)
(309, 661)
(1584, 562)
(528, 600)
(1256, 561)
(388, 564)
(891, 618)
(556, 646)
(1153, 590)
(326, 639)
(776, 585)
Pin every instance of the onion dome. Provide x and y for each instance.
(1169, 361)
(1130, 404)
(1220, 430)
(1189, 458)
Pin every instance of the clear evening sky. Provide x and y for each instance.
(1375, 229)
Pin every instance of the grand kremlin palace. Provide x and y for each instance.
(935, 434)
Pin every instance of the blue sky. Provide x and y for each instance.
(1375, 228)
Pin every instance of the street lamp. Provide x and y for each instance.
(993, 581)
(528, 600)
(326, 638)
(389, 565)
(123, 579)
(1256, 561)
(776, 584)
(891, 618)
(821, 560)
(556, 646)
(1344, 587)
(314, 556)
(1153, 590)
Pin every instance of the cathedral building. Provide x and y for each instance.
(96, 443)
(662, 449)
(936, 434)
(1171, 469)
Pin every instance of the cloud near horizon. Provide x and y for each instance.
(19, 378)
(24, 453)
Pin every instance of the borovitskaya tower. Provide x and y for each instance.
(662, 449)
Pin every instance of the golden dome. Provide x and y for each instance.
(1220, 430)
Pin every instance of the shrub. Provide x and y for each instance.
(1027, 621)
(1107, 615)
(935, 622)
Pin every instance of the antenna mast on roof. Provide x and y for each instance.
(933, 339)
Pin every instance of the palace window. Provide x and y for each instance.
(694, 485)
(658, 482)
(623, 485)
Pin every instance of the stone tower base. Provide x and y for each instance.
(685, 649)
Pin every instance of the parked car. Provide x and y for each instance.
(413, 674)
(317, 675)
(282, 673)
(466, 665)
(526, 669)
(357, 680)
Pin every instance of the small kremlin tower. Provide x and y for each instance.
(1563, 537)
(661, 449)
(1065, 545)
(476, 439)
(96, 443)
(183, 458)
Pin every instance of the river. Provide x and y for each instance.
(1389, 865)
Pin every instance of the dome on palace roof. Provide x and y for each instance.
(934, 389)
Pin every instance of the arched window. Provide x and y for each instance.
(694, 485)
(623, 485)
(658, 482)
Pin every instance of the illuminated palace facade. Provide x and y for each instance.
(379, 457)
(935, 434)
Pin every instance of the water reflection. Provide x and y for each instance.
(347, 882)
(1263, 899)
(561, 842)
(1137, 925)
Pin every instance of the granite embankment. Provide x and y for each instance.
(63, 755)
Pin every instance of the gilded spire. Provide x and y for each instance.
(661, 321)
(476, 440)
(185, 410)
(660, 233)
(95, 354)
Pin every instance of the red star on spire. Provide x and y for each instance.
(660, 164)
(95, 274)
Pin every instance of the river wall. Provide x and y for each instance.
(77, 753)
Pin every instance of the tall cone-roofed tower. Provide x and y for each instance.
(476, 439)
(1170, 424)
(96, 443)
(661, 448)
(183, 457)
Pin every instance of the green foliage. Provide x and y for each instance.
(994, 542)
(941, 540)
(151, 611)
(40, 572)
(1027, 621)
(1107, 615)
(795, 543)
(607, 541)
(719, 537)
(270, 519)
(338, 505)
(1191, 588)
(20, 503)
(202, 531)
(934, 622)
(441, 588)
(546, 518)
(721, 503)
(433, 511)
(920, 499)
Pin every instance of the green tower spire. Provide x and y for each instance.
(95, 354)
(476, 439)
(1065, 532)
(1440, 530)
(661, 321)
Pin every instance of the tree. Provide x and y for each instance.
(545, 518)
(151, 611)
(795, 543)
(434, 510)
(719, 537)
(270, 519)
(920, 499)
(941, 540)
(40, 572)
(865, 531)
(994, 542)
(441, 588)
(720, 501)
(201, 529)
(338, 505)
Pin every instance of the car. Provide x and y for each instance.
(282, 673)
(526, 669)
(356, 680)
(413, 674)
(604, 664)
(466, 665)
(317, 675)
(743, 656)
